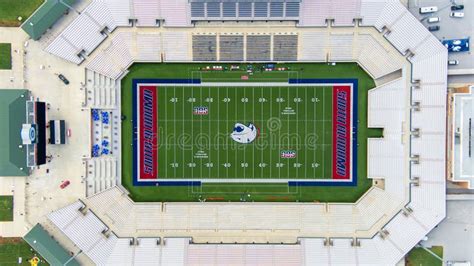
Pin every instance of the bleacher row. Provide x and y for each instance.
(103, 246)
(102, 17)
(127, 47)
(361, 47)
(269, 47)
(102, 174)
(333, 219)
(245, 10)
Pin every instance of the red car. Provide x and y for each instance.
(65, 184)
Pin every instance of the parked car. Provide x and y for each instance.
(433, 28)
(63, 79)
(433, 20)
(428, 9)
(65, 184)
(453, 62)
(456, 14)
(457, 7)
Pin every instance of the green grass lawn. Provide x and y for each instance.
(13, 248)
(420, 257)
(6, 208)
(10, 10)
(245, 191)
(5, 55)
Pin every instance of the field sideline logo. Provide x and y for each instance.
(148, 133)
(341, 132)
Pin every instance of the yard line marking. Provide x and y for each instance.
(314, 130)
(192, 134)
(200, 128)
(183, 150)
(305, 132)
(261, 126)
(324, 131)
(279, 133)
(174, 125)
(269, 133)
(235, 143)
(245, 149)
(227, 126)
(209, 120)
(253, 117)
(218, 129)
(288, 118)
(166, 140)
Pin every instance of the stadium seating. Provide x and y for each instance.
(98, 10)
(387, 154)
(313, 46)
(341, 47)
(176, 46)
(231, 48)
(204, 47)
(114, 58)
(176, 13)
(375, 58)
(120, 11)
(148, 47)
(101, 91)
(258, 47)
(342, 12)
(405, 40)
(146, 12)
(285, 47)
(102, 174)
(245, 10)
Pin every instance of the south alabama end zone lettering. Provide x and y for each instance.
(148, 133)
(341, 139)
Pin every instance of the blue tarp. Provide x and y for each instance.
(457, 45)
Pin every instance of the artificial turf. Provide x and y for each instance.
(5, 56)
(248, 191)
(198, 146)
(10, 10)
(6, 208)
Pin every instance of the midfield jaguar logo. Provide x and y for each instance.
(244, 134)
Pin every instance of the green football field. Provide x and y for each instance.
(242, 191)
(289, 118)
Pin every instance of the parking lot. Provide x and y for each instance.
(450, 28)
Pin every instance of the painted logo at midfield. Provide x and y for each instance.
(288, 154)
(200, 110)
(244, 134)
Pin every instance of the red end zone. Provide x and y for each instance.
(341, 132)
(148, 132)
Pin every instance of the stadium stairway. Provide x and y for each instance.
(101, 174)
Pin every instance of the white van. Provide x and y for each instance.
(428, 9)
(433, 20)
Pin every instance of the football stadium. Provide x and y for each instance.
(211, 132)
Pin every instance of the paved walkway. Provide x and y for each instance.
(456, 232)
(39, 193)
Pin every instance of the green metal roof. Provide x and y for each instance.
(12, 117)
(45, 16)
(48, 248)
